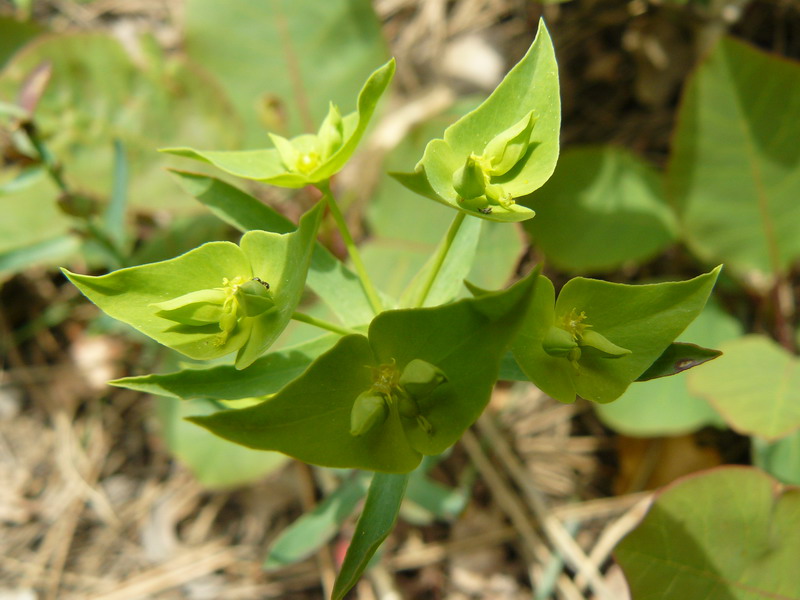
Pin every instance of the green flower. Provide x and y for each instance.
(217, 299)
(306, 159)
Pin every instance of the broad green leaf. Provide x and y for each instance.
(131, 295)
(665, 406)
(602, 208)
(270, 166)
(216, 463)
(287, 59)
(318, 526)
(781, 458)
(732, 533)
(532, 85)
(735, 168)
(755, 386)
(644, 319)
(265, 376)
(376, 522)
(328, 277)
(310, 418)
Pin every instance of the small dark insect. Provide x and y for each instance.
(486, 210)
(261, 281)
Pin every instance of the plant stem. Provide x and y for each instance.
(327, 325)
(352, 250)
(438, 259)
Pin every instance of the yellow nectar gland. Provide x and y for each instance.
(307, 162)
(574, 323)
(385, 378)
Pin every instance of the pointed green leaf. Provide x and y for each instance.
(328, 277)
(317, 527)
(732, 533)
(532, 85)
(376, 522)
(269, 166)
(734, 168)
(755, 386)
(265, 376)
(653, 316)
(677, 358)
(310, 418)
(129, 295)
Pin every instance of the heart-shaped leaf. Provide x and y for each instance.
(730, 533)
(755, 386)
(602, 207)
(735, 159)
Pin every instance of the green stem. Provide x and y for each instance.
(327, 325)
(54, 171)
(352, 250)
(438, 259)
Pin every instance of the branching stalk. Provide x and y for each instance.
(439, 257)
(322, 324)
(352, 250)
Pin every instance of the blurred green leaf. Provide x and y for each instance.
(47, 251)
(731, 534)
(665, 406)
(602, 208)
(13, 35)
(318, 526)
(781, 458)
(755, 386)
(216, 463)
(287, 58)
(376, 522)
(735, 169)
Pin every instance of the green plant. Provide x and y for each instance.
(396, 379)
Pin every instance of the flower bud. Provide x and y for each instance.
(254, 297)
(369, 410)
(331, 132)
(601, 345)
(290, 156)
(420, 378)
(507, 149)
(470, 181)
(559, 342)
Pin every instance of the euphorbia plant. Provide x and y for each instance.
(397, 378)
